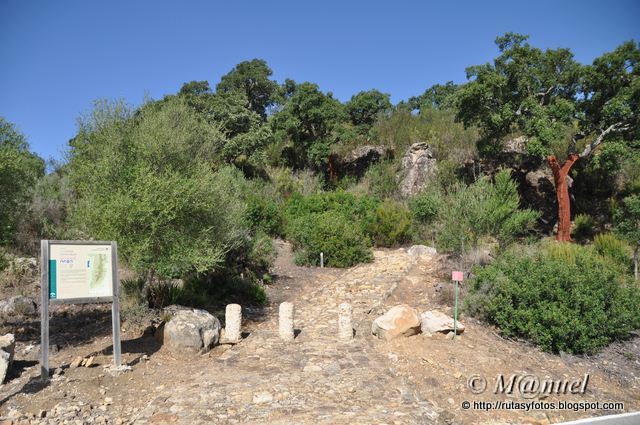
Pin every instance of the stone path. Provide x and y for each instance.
(315, 379)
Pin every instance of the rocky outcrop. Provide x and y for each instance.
(7, 348)
(357, 161)
(191, 331)
(19, 306)
(418, 167)
(399, 320)
(435, 321)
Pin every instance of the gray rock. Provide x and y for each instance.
(434, 321)
(420, 250)
(191, 330)
(7, 348)
(399, 320)
(418, 167)
(19, 306)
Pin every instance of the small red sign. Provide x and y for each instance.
(459, 276)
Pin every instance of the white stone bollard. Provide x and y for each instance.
(233, 321)
(345, 326)
(285, 325)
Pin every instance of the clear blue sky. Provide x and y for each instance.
(58, 56)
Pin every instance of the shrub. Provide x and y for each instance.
(360, 210)
(470, 212)
(608, 245)
(342, 243)
(381, 179)
(19, 170)
(391, 224)
(264, 215)
(582, 227)
(425, 206)
(570, 299)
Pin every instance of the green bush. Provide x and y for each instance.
(19, 170)
(342, 243)
(265, 215)
(381, 179)
(582, 227)
(360, 210)
(483, 209)
(608, 245)
(425, 206)
(562, 297)
(391, 224)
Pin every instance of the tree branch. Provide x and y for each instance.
(619, 126)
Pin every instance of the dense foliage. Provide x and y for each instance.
(561, 297)
(19, 171)
(195, 185)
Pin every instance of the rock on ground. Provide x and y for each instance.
(7, 348)
(418, 167)
(191, 330)
(434, 321)
(420, 250)
(399, 320)
(19, 305)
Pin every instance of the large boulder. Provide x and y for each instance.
(435, 321)
(7, 348)
(19, 306)
(191, 330)
(418, 167)
(399, 320)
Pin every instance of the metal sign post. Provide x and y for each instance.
(78, 272)
(457, 277)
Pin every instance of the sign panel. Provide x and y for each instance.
(80, 271)
(457, 276)
(75, 272)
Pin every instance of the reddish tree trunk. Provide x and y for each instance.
(560, 174)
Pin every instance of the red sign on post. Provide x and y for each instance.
(457, 276)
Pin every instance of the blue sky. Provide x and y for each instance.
(56, 57)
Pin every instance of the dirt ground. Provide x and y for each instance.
(437, 367)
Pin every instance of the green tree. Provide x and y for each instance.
(252, 79)
(308, 123)
(246, 132)
(627, 225)
(148, 181)
(363, 108)
(438, 96)
(564, 109)
(19, 170)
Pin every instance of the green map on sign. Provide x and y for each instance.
(98, 264)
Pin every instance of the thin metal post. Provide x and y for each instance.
(455, 314)
(115, 306)
(321, 259)
(44, 310)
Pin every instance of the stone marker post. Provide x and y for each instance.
(345, 325)
(285, 326)
(233, 320)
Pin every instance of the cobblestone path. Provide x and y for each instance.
(314, 379)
